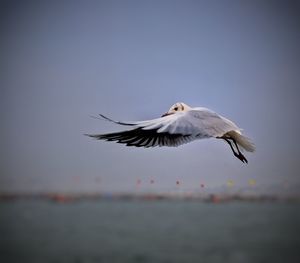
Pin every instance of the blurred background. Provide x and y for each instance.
(63, 61)
(131, 60)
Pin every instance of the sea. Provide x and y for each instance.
(38, 231)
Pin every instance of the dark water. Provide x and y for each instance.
(145, 231)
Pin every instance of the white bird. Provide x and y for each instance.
(181, 124)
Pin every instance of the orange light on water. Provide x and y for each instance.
(230, 183)
(252, 182)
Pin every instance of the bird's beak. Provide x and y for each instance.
(166, 114)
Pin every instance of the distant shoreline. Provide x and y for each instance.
(206, 198)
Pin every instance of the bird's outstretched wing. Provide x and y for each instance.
(144, 138)
(171, 130)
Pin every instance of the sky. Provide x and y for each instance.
(63, 61)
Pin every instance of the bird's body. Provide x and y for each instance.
(180, 125)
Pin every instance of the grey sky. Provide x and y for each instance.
(131, 60)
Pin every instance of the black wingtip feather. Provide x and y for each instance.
(141, 138)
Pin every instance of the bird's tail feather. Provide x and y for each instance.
(243, 141)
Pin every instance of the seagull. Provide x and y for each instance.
(179, 125)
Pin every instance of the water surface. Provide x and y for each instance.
(149, 231)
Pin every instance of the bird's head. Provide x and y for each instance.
(179, 106)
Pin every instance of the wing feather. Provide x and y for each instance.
(171, 130)
(143, 138)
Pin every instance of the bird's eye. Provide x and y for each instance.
(176, 108)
